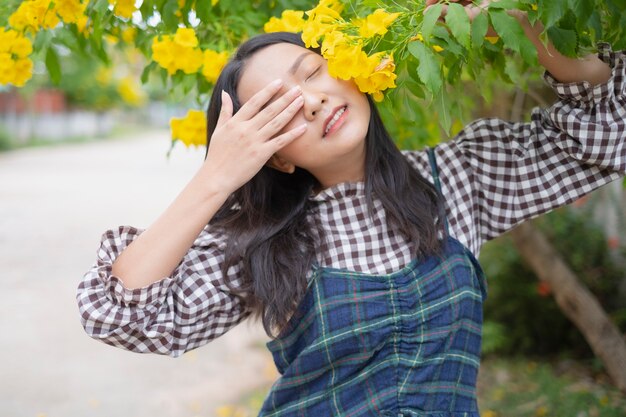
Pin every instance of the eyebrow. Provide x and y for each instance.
(296, 64)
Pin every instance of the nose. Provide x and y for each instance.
(314, 102)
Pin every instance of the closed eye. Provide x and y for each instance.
(313, 73)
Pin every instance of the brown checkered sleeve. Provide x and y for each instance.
(496, 174)
(170, 316)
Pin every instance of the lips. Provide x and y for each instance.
(333, 118)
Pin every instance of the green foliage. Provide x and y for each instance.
(451, 48)
(522, 321)
(522, 388)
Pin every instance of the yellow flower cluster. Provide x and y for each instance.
(15, 66)
(123, 8)
(47, 14)
(181, 52)
(376, 23)
(213, 64)
(178, 52)
(290, 21)
(130, 91)
(344, 52)
(191, 129)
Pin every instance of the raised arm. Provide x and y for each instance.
(240, 146)
(564, 69)
(163, 290)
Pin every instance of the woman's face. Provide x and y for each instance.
(336, 112)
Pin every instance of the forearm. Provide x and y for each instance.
(158, 250)
(562, 68)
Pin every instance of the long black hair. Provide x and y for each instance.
(266, 219)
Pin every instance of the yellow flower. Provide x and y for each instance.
(191, 129)
(322, 19)
(313, 30)
(130, 92)
(290, 21)
(189, 59)
(129, 34)
(326, 10)
(123, 8)
(22, 47)
(378, 77)
(332, 40)
(213, 64)
(15, 67)
(71, 11)
(492, 39)
(7, 68)
(34, 15)
(162, 50)
(23, 72)
(186, 37)
(348, 61)
(418, 37)
(376, 23)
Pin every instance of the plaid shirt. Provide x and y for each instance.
(494, 174)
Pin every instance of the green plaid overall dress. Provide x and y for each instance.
(397, 345)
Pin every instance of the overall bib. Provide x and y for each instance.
(405, 344)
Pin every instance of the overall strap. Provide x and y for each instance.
(435, 172)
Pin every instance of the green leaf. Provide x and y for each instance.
(583, 10)
(550, 11)
(442, 102)
(459, 23)
(52, 64)
(203, 10)
(430, 20)
(428, 70)
(101, 6)
(145, 75)
(480, 25)
(513, 35)
(505, 4)
(564, 40)
(168, 15)
(42, 40)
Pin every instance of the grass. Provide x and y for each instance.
(514, 387)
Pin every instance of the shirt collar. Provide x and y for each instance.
(340, 191)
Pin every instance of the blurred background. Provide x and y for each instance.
(86, 145)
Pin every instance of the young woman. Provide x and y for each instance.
(359, 258)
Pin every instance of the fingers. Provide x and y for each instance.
(226, 111)
(256, 103)
(279, 107)
(278, 122)
(286, 138)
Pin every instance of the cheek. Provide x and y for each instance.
(297, 152)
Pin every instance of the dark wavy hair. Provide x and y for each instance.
(266, 219)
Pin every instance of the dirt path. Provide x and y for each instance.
(55, 202)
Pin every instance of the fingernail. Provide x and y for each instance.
(303, 126)
(277, 82)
